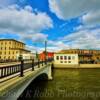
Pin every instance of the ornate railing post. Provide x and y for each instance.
(38, 63)
(42, 62)
(45, 61)
(22, 68)
(32, 64)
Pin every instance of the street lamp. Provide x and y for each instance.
(46, 52)
(36, 54)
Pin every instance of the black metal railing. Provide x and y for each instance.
(9, 70)
(13, 69)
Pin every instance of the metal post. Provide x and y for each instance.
(36, 54)
(32, 64)
(42, 62)
(22, 68)
(46, 52)
(38, 63)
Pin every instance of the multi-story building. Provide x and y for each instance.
(11, 49)
(65, 59)
(84, 55)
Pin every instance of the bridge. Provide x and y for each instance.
(16, 77)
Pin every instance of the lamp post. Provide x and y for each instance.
(45, 52)
(37, 58)
(36, 55)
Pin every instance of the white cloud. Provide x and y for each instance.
(17, 20)
(58, 44)
(37, 37)
(66, 9)
(22, 1)
(83, 39)
(4, 3)
(53, 5)
(28, 8)
(52, 46)
(35, 49)
(91, 18)
(88, 39)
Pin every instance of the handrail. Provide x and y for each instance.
(13, 69)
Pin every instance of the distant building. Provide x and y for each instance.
(48, 55)
(11, 49)
(26, 56)
(84, 55)
(65, 59)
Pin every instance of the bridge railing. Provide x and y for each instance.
(13, 69)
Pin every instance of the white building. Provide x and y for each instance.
(65, 59)
(26, 56)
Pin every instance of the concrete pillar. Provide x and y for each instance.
(49, 72)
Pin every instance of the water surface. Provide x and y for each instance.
(68, 84)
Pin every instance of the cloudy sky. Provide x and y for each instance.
(63, 24)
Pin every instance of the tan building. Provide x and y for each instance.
(10, 49)
(65, 59)
(84, 55)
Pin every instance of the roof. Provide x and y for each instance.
(11, 40)
(64, 51)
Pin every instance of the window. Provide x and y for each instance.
(69, 61)
(69, 57)
(9, 57)
(4, 57)
(65, 57)
(1, 43)
(65, 61)
(73, 57)
(9, 42)
(61, 61)
(61, 57)
(57, 57)
(12, 57)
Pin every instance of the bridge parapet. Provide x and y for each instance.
(18, 84)
(12, 69)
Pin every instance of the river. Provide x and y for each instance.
(67, 84)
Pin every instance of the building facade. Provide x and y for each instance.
(65, 59)
(10, 49)
(84, 55)
(48, 55)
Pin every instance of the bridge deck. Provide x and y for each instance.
(8, 84)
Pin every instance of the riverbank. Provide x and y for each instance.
(77, 66)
